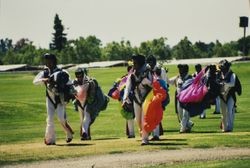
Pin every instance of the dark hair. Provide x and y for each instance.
(139, 59)
(151, 59)
(224, 64)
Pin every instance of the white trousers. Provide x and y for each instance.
(156, 131)
(184, 117)
(85, 120)
(227, 110)
(131, 128)
(50, 136)
(139, 116)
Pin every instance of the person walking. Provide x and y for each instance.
(227, 96)
(57, 84)
(140, 83)
(183, 115)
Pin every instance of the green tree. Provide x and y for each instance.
(203, 50)
(241, 42)
(156, 47)
(59, 37)
(183, 50)
(117, 51)
(87, 50)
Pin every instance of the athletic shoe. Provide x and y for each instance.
(49, 143)
(85, 137)
(131, 136)
(155, 138)
(144, 142)
(215, 112)
(68, 140)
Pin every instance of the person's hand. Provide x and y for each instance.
(45, 80)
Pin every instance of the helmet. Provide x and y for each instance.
(79, 72)
(48, 56)
(224, 65)
(151, 60)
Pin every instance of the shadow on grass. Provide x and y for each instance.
(165, 139)
(173, 130)
(74, 144)
(99, 139)
(166, 144)
(198, 132)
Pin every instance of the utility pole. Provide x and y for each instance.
(244, 24)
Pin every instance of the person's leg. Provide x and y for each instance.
(131, 132)
(183, 122)
(86, 125)
(81, 116)
(50, 137)
(144, 132)
(231, 111)
(217, 105)
(61, 113)
(223, 107)
(137, 110)
(156, 133)
(203, 114)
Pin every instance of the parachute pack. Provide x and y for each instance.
(238, 87)
(97, 101)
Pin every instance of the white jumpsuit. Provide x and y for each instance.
(227, 104)
(60, 108)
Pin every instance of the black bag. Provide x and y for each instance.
(238, 87)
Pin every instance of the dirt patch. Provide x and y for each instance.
(140, 159)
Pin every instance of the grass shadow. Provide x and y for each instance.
(99, 139)
(165, 139)
(74, 144)
(167, 144)
(198, 132)
(173, 130)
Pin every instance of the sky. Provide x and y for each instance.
(116, 20)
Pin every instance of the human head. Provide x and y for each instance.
(79, 73)
(138, 61)
(183, 69)
(224, 66)
(50, 60)
(151, 60)
(130, 66)
(198, 67)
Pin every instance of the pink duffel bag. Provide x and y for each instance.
(195, 92)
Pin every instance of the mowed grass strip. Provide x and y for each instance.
(23, 121)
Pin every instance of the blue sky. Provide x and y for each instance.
(134, 20)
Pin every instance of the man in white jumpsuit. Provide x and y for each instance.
(140, 82)
(227, 97)
(82, 80)
(54, 99)
(151, 60)
(183, 115)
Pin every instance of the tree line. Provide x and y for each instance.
(90, 49)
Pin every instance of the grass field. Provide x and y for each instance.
(23, 120)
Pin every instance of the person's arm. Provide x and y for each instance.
(231, 83)
(164, 75)
(127, 89)
(172, 81)
(39, 79)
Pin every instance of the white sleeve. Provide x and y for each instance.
(164, 75)
(127, 88)
(172, 81)
(38, 79)
(232, 81)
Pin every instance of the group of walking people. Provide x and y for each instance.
(143, 95)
